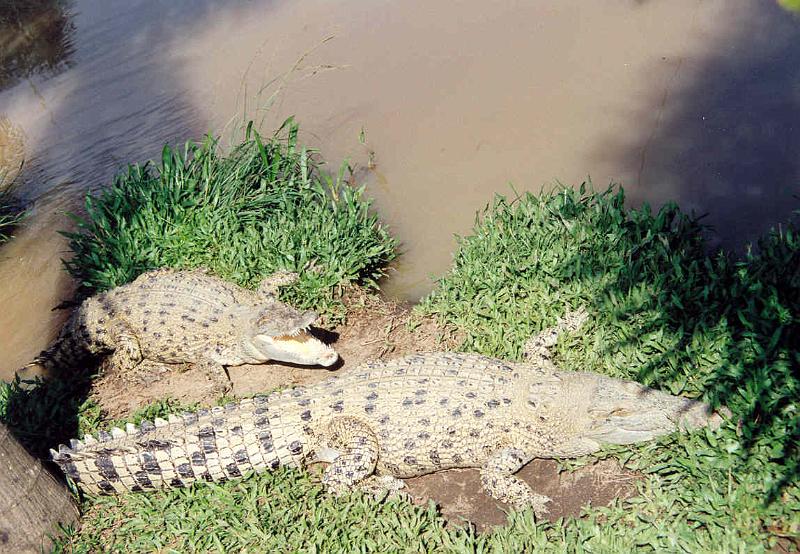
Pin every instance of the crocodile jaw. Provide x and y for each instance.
(624, 412)
(298, 348)
(599, 410)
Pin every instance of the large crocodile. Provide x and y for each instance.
(394, 419)
(173, 316)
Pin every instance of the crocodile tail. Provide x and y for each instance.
(75, 345)
(209, 445)
(68, 351)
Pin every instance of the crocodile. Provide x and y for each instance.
(393, 419)
(188, 316)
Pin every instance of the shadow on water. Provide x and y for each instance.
(35, 38)
(726, 144)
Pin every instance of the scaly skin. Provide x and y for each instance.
(395, 419)
(172, 316)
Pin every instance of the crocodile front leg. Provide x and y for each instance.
(127, 353)
(498, 480)
(537, 348)
(216, 372)
(358, 447)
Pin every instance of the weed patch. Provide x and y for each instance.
(261, 208)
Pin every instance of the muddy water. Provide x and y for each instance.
(691, 100)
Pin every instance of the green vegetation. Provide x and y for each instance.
(263, 207)
(663, 312)
(791, 5)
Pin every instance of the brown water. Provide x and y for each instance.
(690, 100)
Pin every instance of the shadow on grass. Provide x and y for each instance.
(43, 414)
(719, 327)
(664, 312)
(747, 313)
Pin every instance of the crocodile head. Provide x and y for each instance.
(280, 333)
(592, 410)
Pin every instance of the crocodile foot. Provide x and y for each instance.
(384, 487)
(537, 502)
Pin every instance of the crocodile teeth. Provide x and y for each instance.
(117, 433)
(75, 444)
(103, 436)
(172, 418)
(160, 422)
(130, 428)
(89, 440)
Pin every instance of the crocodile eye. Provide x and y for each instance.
(619, 412)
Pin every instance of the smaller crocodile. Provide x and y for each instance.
(173, 316)
(394, 419)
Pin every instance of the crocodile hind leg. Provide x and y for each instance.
(381, 487)
(497, 478)
(358, 447)
(536, 348)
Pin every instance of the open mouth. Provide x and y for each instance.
(301, 335)
(304, 345)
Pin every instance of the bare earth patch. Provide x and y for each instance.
(461, 498)
(377, 328)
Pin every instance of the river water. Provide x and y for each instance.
(696, 101)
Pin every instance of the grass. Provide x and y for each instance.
(663, 312)
(791, 5)
(263, 207)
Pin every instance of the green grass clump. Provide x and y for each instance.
(281, 511)
(265, 206)
(666, 314)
